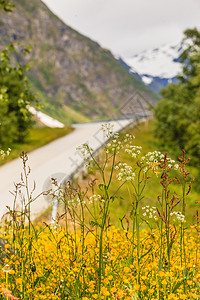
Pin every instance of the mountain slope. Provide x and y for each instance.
(69, 71)
(156, 67)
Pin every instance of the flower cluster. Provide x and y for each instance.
(150, 212)
(59, 257)
(95, 198)
(78, 200)
(155, 158)
(73, 202)
(179, 216)
(86, 151)
(3, 154)
(134, 151)
(128, 139)
(125, 172)
(107, 129)
(115, 145)
(152, 157)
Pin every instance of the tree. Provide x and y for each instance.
(178, 112)
(15, 96)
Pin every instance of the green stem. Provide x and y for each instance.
(100, 260)
(112, 170)
(7, 283)
(83, 229)
(138, 194)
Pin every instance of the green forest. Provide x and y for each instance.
(178, 112)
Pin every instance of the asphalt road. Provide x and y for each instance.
(57, 159)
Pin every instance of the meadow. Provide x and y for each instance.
(131, 232)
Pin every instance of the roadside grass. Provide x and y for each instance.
(144, 137)
(38, 137)
(121, 206)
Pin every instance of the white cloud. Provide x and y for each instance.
(129, 26)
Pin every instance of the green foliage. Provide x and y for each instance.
(15, 96)
(178, 113)
(47, 73)
(6, 5)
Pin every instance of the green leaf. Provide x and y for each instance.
(101, 187)
(11, 47)
(177, 285)
(112, 198)
(94, 223)
(146, 253)
(186, 273)
(160, 265)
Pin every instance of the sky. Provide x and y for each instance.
(128, 27)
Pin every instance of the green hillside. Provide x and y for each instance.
(69, 72)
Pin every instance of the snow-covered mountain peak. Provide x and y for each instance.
(161, 62)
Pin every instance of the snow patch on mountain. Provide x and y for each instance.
(160, 62)
(147, 80)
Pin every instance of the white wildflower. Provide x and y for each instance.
(6, 268)
(156, 157)
(134, 151)
(107, 129)
(94, 198)
(125, 172)
(176, 166)
(150, 212)
(179, 216)
(3, 154)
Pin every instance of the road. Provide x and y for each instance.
(57, 159)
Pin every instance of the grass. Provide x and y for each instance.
(75, 115)
(154, 255)
(38, 137)
(144, 137)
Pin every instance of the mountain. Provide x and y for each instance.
(74, 78)
(156, 67)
